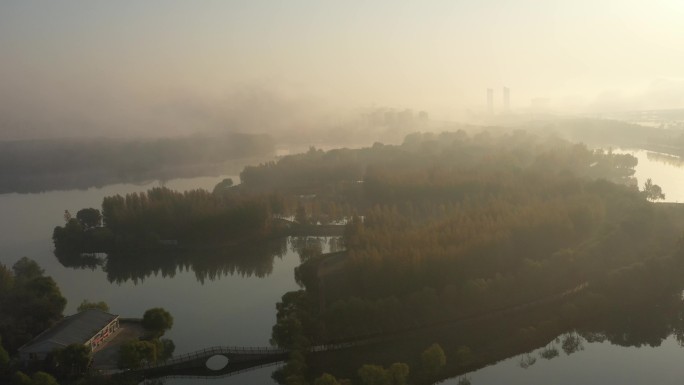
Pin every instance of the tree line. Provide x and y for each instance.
(40, 165)
(161, 216)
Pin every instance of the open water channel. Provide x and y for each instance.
(232, 304)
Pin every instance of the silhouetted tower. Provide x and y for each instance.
(490, 101)
(507, 98)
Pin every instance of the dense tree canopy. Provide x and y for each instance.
(652, 191)
(29, 303)
(449, 226)
(433, 360)
(4, 357)
(73, 360)
(157, 321)
(452, 224)
(89, 217)
(133, 354)
(85, 305)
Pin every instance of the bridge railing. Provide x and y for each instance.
(212, 351)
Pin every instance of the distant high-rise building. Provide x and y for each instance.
(507, 98)
(490, 100)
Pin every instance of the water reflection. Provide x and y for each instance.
(667, 159)
(549, 352)
(310, 246)
(656, 327)
(535, 345)
(211, 263)
(81, 261)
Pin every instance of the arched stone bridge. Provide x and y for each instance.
(239, 359)
(195, 363)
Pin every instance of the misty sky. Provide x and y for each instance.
(171, 65)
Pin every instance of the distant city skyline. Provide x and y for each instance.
(505, 100)
(176, 66)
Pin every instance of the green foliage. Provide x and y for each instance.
(157, 321)
(100, 379)
(71, 237)
(223, 186)
(27, 269)
(572, 343)
(463, 355)
(6, 279)
(133, 354)
(20, 378)
(85, 305)
(432, 360)
(326, 379)
(30, 301)
(38, 378)
(73, 360)
(296, 326)
(296, 380)
(4, 357)
(453, 226)
(652, 192)
(144, 220)
(254, 259)
(373, 375)
(296, 365)
(89, 217)
(165, 348)
(192, 215)
(398, 373)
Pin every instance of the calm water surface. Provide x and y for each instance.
(595, 364)
(664, 170)
(232, 309)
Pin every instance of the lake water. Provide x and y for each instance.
(236, 305)
(664, 170)
(596, 364)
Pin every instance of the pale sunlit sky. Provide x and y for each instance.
(173, 65)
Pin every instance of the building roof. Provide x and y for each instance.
(74, 329)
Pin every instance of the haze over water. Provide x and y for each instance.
(94, 93)
(170, 67)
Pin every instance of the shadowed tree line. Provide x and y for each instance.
(163, 217)
(30, 302)
(538, 334)
(40, 165)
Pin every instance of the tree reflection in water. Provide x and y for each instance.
(571, 343)
(527, 360)
(208, 263)
(549, 353)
